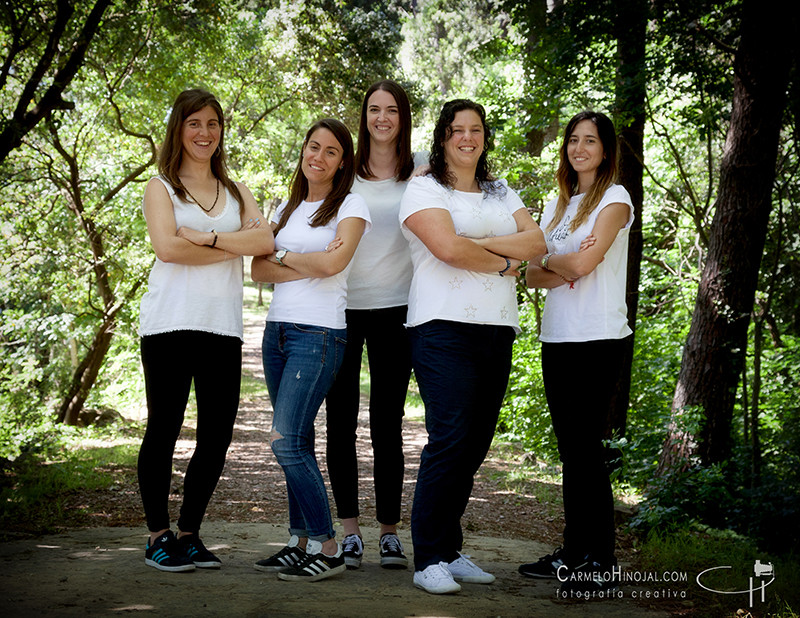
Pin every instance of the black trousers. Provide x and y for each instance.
(579, 381)
(170, 362)
(389, 358)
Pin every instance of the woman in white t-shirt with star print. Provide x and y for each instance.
(468, 234)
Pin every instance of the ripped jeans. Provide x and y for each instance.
(300, 365)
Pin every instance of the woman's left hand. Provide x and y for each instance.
(334, 244)
(587, 242)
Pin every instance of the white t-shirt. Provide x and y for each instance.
(380, 275)
(185, 297)
(314, 301)
(442, 292)
(595, 307)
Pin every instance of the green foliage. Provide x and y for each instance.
(56, 461)
(693, 549)
(524, 416)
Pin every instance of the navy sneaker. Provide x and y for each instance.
(197, 552)
(289, 556)
(166, 554)
(392, 556)
(353, 550)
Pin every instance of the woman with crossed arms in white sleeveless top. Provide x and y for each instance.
(200, 223)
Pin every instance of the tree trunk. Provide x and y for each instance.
(85, 375)
(630, 90)
(714, 354)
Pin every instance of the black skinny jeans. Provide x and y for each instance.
(579, 380)
(170, 362)
(389, 371)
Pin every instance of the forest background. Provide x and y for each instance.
(706, 99)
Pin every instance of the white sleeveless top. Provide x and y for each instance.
(206, 298)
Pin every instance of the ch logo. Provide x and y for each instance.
(760, 570)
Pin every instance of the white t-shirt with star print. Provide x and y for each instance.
(442, 292)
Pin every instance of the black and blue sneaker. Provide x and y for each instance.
(590, 577)
(166, 554)
(197, 552)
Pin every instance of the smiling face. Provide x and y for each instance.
(200, 134)
(584, 149)
(464, 147)
(383, 117)
(322, 156)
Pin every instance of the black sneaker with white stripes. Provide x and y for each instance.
(315, 566)
(289, 556)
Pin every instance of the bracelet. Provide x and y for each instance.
(545, 259)
(508, 265)
(214, 244)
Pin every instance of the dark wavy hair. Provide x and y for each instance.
(342, 180)
(567, 177)
(405, 158)
(187, 103)
(443, 131)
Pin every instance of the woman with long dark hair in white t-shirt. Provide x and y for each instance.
(304, 338)
(200, 223)
(377, 303)
(468, 234)
(584, 326)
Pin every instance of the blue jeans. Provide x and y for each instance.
(300, 364)
(462, 372)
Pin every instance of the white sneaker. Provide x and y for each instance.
(436, 579)
(464, 570)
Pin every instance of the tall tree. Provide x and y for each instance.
(26, 26)
(630, 32)
(715, 348)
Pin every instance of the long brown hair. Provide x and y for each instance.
(171, 155)
(405, 158)
(567, 177)
(342, 180)
(442, 132)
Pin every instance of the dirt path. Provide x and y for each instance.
(98, 568)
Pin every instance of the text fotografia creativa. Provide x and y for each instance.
(618, 575)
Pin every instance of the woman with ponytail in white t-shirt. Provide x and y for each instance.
(584, 326)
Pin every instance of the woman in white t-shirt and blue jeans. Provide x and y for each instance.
(468, 234)
(304, 337)
(584, 326)
(377, 304)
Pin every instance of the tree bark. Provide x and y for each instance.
(630, 92)
(714, 354)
